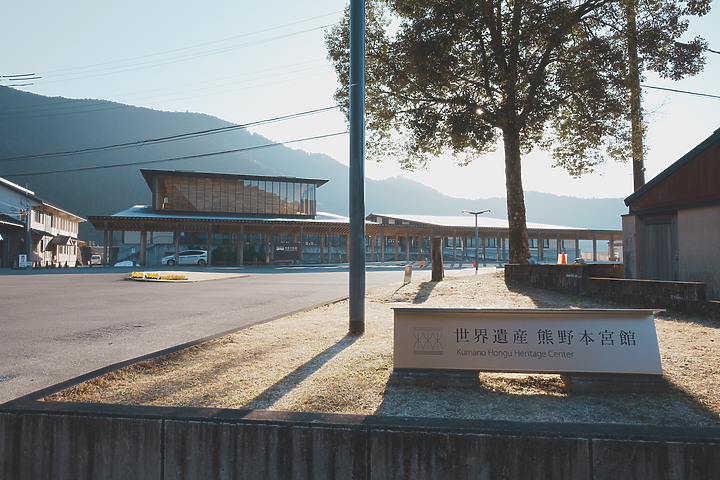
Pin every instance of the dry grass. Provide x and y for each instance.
(307, 362)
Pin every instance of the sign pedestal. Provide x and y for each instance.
(434, 378)
(614, 383)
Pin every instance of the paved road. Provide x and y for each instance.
(58, 324)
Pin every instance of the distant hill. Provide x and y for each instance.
(32, 124)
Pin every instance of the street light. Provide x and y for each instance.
(476, 233)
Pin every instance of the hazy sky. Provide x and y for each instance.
(250, 61)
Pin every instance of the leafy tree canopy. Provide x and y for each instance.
(463, 75)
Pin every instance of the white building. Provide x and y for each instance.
(52, 232)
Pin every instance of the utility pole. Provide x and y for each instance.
(636, 116)
(356, 255)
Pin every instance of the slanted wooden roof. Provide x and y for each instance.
(692, 181)
(149, 174)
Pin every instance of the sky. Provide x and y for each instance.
(250, 61)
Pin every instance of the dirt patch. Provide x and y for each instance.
(307, 362)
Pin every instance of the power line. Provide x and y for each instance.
(187, 157)
(681, 91)
(80, 68)
(63, 108)
(54, 105)
(181, 136)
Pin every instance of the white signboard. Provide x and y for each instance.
(23, 261)
(527, 340)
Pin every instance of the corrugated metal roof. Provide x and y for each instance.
(8, 220)
(469, 221)
(144, 211)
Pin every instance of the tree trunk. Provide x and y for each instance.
(436, 255)
(636, 116)
(517, 236)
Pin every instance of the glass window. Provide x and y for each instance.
(224, 195)
(276, 197)
(282, 198)
(254, 207)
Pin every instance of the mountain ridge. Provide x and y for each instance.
(104, 182)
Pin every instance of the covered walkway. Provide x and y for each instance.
(144, 236)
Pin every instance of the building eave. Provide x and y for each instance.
(684, 160)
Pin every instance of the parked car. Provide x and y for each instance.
(187, 257)
(95, 259)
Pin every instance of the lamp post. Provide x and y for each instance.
(476, 233)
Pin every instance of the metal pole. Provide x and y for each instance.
(477, 239)
(356, 256)
(477, 262)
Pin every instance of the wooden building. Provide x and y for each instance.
(673, 226)
(52, 232)
(240, 219)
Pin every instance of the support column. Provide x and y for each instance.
(594, 240)
(105, 248)
(560, 246)
(577, 246)
(541, 251)
(382, 246)
(397, 246)
(143, 248)
(110, 249)
(208, 242)
(322, 247)
(240, 253)
(347, 248)
(407, 247)
(454, 246)
(176, 243)
(267, 247)
(611, 248)
(301, 245)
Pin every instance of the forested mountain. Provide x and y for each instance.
(110, 180)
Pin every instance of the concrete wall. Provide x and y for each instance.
(605, 282)
(631, 260)
(698, 240)
(86, 441)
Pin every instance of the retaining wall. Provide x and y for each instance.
(606, 282)
(89, 441)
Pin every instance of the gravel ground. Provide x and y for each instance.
(307, 362)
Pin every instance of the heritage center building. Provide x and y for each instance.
(254, 219)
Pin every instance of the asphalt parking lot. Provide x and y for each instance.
(58, 324)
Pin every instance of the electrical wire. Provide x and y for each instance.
(103, 105)
(171, 138)
(187, 157)
(81, 68)
(681, 91)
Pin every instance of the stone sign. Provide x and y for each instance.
(526, 340)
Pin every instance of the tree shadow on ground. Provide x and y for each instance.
(408, 293)
(424, 292)
(541, 398)
(272, 394)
